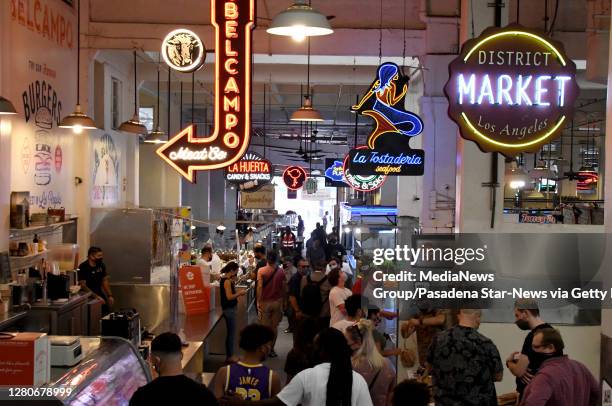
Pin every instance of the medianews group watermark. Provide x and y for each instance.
(485, 270)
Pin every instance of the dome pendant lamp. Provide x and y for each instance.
(134, 126)
(156, 136)
(300, 21)
(306, 112)
(6, 107)
(77, 120)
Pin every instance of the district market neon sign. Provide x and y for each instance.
(511, 90)
(234, 21)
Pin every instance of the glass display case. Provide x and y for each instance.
(109, 374)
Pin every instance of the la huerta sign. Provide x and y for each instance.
(511, 90)
(250, 173)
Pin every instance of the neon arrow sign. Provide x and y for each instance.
(233, 21)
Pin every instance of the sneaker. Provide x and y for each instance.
(273, 354)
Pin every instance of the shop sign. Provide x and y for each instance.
(389, 151)
(234, 21)
(291, 194)
(537, 218)
(46, 19)
(262, 199)
(587, 182)
(399, 161)
(362, 183)
(250, 173)
(334, 173)
(294, 177)
(183, 50)
(310, 186)
(511, 90)
(196, 296)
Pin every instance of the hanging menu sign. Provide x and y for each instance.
(234, 21)
(250, 173)
(511, 90)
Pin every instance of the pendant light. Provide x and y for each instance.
(307, 112)
(300, 21)
(78, 121)
(134, 125)
(156, 136)
(6, 107)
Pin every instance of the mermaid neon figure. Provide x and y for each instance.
(384, 102)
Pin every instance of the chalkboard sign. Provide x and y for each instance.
(5, 267)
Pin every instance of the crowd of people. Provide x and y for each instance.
(341, 356)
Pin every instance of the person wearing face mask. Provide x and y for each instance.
(93, 278)
(464, 364)
(524, 364)
(295, 283)
(171, 386)
(249, 378)
(560, 381)
(229, 302)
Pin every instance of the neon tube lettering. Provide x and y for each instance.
(469, 88)
(540, 91)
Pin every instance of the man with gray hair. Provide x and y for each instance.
(525, 364)
(464, 364)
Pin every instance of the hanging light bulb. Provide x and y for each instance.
(133, 125)
(77, 120)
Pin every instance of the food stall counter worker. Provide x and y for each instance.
(93, 278)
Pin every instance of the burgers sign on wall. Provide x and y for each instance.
(511, 90)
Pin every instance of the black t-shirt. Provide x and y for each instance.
(173, 390)
(528, 351)
(93, 277)
(335, 251)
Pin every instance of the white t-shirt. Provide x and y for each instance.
(214, 265)
(309, 388)
(337, 296)
(342, 325)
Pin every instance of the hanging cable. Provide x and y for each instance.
(554, 20)
(404, 38)
(169, 86)
(472, 18)
(518, 11)
(264, 121)
(380, 34)
(193, 97)
(181, 104)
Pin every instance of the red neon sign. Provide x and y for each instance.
(233, 21)
(294, 177)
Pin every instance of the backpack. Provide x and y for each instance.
(312, 300)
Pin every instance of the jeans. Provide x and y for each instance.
(229, 315)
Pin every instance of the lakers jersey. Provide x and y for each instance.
(250, 382)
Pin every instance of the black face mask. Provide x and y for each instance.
(537, 358)
(99, 261)
(522, 324)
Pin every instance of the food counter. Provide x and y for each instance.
(60, 317)
(9, 319)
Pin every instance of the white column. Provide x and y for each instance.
(473, 201)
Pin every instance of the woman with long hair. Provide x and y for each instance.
(377, 370)
(229, 301)
(330, 383)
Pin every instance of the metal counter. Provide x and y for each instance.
(60, 318)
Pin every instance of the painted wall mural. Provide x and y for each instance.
(106, 172)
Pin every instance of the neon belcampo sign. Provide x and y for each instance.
(388, 151)
(251, 173)
(233, 21)
(511, 90)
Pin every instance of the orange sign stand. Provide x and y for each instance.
(196, 296)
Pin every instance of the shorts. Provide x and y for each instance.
(271, 313)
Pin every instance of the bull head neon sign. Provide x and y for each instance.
(234, 21)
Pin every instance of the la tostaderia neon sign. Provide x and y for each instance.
(511, 90)
(234, 21)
